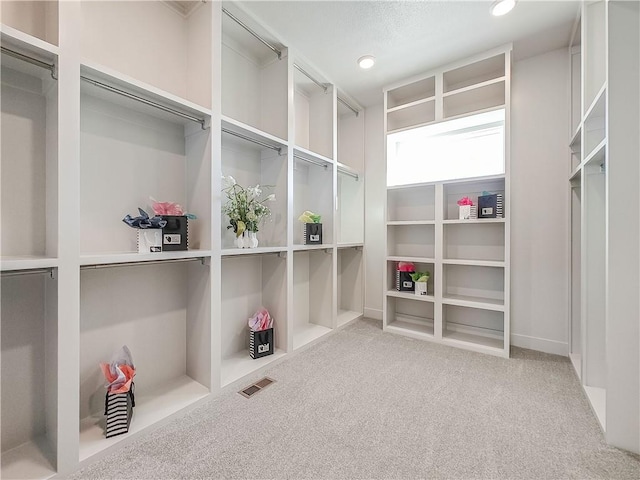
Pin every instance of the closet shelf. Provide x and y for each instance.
(236, 126)
(33, 459)
(474, 263)
(410, 222)
(474, 87)
(301, 248)
(349, 245)
(134, 257)
(478, 343)
(152, 406)
(474, 221)
(303, 335)
(27, 262)
(312, 156)
(233, 252)
(135, 87)
(597, 107)
(397, 258)
(474, 302)
(411, 104)
(11, 37)
(421, 331)
(597, 155)
(410, 296)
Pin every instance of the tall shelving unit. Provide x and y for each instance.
(604, 62)
(467, 301)
(91, 128)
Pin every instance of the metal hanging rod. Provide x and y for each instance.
(131, 96)
(33, 61)
(282, 254)
(262, 40)
(253, 140)
(347, 172)
(135, 264)
(344, 102)
(34, 271)
(308, 160)
(323, 86)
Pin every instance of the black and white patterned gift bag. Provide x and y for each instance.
(118, 408)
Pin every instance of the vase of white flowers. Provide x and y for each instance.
(246, 210)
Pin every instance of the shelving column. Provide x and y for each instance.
(623, 202)
(70, 22)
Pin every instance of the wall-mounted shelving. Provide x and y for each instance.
(29, 380)
(467, 304)
(604, 55)
(207, 92)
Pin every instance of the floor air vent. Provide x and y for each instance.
(251, 390)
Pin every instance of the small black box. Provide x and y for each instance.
(404, 282)
(261, 343)
(175, 234)
(312, 233)
(490, 206)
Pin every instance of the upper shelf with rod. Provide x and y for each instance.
(251, 54)
(103, 81)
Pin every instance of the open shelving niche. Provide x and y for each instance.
(468, 301)
(313, 112)
(142, 151)
(312, 190)
(255, 158)
(254, 77)
(162, 312)
(350, 284)
(248, 283)
(29, 162)
(35, 19)
(29, 334)
(29, 375)
(182, 36)
(313, 305)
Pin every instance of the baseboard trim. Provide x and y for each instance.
(373, 313)
(540, 344)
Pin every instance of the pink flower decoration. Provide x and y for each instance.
(465, 201)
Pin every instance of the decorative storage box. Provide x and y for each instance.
(175, 234)
(421, 288)
(404, 282)
(312, 233)
(118, 408)
(260, 343)
(490, 206)
(149, 240)
(464, 212)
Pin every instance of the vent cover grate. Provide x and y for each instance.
(254, 388)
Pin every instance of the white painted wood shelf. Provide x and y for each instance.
(120, 125)
(468, 260)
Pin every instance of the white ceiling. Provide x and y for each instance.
(407, 37)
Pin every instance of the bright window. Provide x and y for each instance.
(467, 147)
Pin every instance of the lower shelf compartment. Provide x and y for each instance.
(475, 329)
(346, 316)
(241, 364)
(407, 326)
(151, 407)
(31, 460)
(304, 334)
(472, 340)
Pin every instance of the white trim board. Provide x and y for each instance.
(540, 344)
(374, 313)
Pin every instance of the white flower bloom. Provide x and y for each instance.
(271, 198)
(228, 181)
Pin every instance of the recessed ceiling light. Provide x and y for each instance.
(501, 7)
(367, 61)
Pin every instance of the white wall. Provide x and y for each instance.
(375, 189)
(539, 203)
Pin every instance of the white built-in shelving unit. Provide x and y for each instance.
(602, 174)
(91, 129)
(467, 301)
